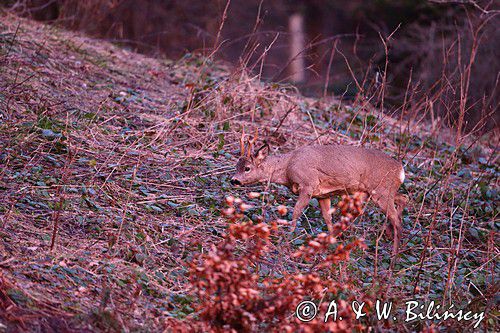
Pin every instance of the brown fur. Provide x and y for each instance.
(322, 171)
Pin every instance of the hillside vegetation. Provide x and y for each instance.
(114, 169)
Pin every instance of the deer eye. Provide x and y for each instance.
(247, 169)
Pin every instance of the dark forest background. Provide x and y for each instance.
(433, 47)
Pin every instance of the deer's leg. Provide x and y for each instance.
(303, 200)
(400, 200)
(381, 201)
(386, 203)
(396, 225)
(325, 205)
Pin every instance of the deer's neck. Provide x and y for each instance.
(276, 167)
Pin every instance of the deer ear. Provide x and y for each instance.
(261, 154)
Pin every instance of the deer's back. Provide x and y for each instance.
(338, 167)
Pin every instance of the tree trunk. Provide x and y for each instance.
(297, 71)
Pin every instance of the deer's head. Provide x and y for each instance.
(249, 169)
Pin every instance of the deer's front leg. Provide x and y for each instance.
(325, 205)
(303, 200)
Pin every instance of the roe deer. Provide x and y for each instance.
(322, 171)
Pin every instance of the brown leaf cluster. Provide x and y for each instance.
(233, 297)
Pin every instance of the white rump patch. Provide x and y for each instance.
(402, 175)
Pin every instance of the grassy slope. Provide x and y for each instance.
(129, 158)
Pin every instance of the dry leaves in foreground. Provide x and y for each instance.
(234, 296)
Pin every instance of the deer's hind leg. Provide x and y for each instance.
(386, 203)
(401, 201)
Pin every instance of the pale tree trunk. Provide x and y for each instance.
(297, 72)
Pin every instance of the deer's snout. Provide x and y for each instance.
(235, 181)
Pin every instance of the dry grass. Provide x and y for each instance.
(114, 168)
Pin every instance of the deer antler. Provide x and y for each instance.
(242, 142)
(251, 143)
